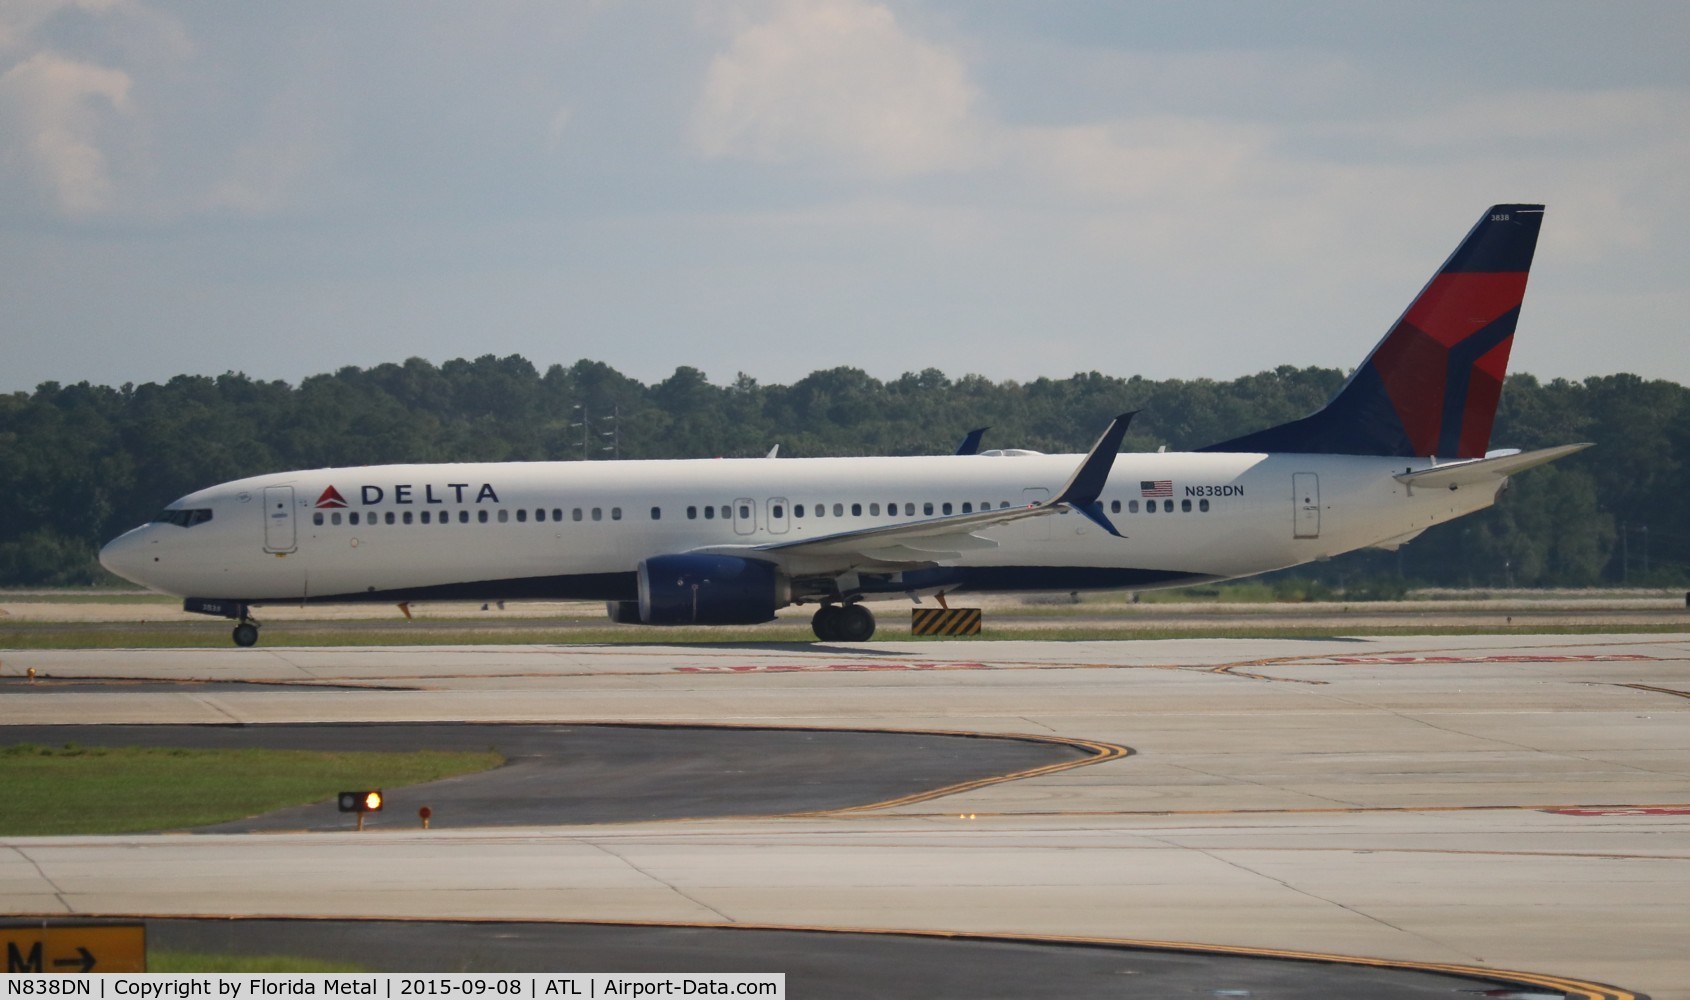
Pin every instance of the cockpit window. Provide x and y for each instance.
(184, 518)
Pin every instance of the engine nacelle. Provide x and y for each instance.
(708, 590)
(623, 612)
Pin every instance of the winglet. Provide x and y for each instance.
(1087, 483)
(971, 444)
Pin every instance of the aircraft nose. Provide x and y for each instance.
(125, 555)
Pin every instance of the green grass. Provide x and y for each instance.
(893, 629)
(88, 597)
(188, 961)
(50, 791)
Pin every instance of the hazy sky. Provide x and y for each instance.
(1014, 189)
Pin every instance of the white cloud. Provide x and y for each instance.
(51, 112)
(841, 84)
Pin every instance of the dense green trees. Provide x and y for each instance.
(84, 462)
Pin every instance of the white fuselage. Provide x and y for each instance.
(579, 529)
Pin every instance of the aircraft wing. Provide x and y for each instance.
(1454, 475)
(928, 540)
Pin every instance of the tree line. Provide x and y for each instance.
(85, 462)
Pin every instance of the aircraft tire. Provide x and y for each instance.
(246, 634)
(856, 624)
(825, 623)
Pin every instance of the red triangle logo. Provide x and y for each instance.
(331, 498)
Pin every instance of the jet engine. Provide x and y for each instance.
(704, 590)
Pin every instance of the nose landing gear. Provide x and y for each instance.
(245, 633)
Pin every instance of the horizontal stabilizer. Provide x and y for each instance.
(1454, 475)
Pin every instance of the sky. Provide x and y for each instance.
(1010, 189)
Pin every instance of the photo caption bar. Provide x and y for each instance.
(397, 985)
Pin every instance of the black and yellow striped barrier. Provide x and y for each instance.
(944, 621)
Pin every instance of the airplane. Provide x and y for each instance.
(1401, 447)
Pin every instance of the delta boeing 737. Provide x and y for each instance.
(1401, 447)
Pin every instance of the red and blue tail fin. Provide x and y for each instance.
(1431, 386)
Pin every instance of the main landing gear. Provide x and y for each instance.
(843, 623)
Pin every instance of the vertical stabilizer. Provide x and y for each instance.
(1432, 385)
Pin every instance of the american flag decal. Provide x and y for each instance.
(1158, 488)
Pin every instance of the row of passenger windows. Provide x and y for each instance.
(483, 516)
(777, 512)
(1150, 506)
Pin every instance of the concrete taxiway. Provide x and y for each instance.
(1516, 802)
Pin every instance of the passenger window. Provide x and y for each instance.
(821, 510)
(797, 510)
(692, 513)
(334, 518)
(873, 510)
(481, 515)
(1003, 504)
(557, 513)
(616, 513)
(1167, 506)
(539, 513)
(352, 518)
(317, 518)
(946, 509)
(598, 513)
(1203, 505)
(427, 518)
(657, 513)
(388, 517)
(727, 512)
(1185, 506)
(522, 515)
(1132, 506)
(1150, 506)
(1114, 506)
(744, 512)
(576, 514)
(504, 516)
(927, 508)
(968, 506)
(710, 513)
(407, 517)
(856, 510)
(463, 517)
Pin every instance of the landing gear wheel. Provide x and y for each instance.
(825, 623)
(856, 624)
(246, 634)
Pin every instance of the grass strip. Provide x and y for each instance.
(172, 636)
(75, 790)
(188, 961)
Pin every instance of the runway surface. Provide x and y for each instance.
(1518, 803)
(819, 965)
